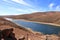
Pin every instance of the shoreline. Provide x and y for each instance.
(30, 30)
(53, 24)
(40, 22)
(23, 27)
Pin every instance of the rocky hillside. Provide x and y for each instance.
(48, 17)
(23, 32)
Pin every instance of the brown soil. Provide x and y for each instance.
(20, 32)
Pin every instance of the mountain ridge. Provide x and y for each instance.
(48, 17)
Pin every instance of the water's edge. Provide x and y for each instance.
(33, 29)
(40, 22)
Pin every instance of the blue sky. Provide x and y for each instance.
(15, 7)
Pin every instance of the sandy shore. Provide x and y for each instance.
(40, 22)
(34, 22)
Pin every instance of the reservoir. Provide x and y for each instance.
(44, 28)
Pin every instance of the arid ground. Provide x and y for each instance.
(48, 17)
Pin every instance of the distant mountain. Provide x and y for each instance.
(49, 17)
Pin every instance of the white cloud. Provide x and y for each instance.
(29, 10)
(33, 10)
(21, 2)
(57, 8)
(18, 9)
(51, 5)
(21, 10)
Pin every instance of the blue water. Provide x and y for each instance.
(44, 28)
